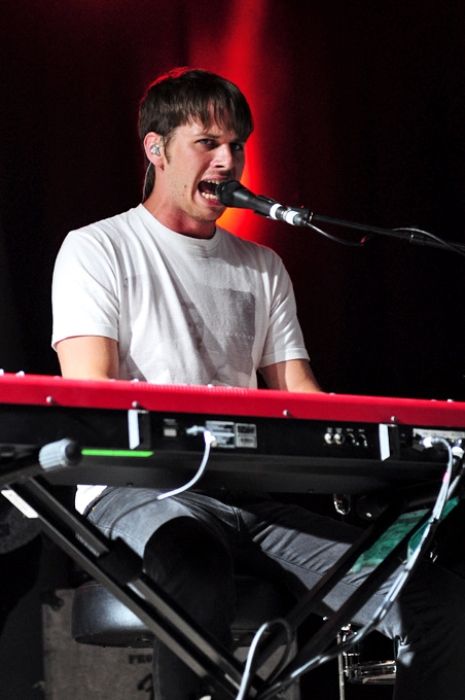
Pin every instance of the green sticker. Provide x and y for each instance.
(391, 537)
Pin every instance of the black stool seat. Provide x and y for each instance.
(100, 618)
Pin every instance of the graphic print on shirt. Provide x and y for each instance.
(194, 335)
(223, 333)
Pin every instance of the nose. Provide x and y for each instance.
(224, 157)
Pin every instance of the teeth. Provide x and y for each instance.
(210, 195)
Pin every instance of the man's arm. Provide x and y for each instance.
(88, 357)
(291, 375)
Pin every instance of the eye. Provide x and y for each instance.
(237, 147)
(209, 143)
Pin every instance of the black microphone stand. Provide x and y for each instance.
(407, 234)
(233, 194)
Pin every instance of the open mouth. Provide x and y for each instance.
(207, 189)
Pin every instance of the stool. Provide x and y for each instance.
(101, 619)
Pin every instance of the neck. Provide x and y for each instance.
(180, 223)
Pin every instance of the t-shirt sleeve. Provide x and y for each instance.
(84, 288)
(284, 338)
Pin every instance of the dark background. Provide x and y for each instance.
(359, 112)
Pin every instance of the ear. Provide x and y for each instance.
(153, 147)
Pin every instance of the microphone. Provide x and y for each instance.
(232, 194)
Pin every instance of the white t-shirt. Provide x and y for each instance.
(183, 310)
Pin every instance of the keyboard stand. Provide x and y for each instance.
(114, 565)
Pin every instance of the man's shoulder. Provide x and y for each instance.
(112, 226)
(249, 248)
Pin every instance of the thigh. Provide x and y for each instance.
(135, 514)
(303, 542)
(304, 546)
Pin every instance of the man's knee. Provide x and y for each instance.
(191, 563)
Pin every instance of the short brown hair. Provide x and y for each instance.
(185, 93)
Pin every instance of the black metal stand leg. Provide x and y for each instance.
(115, 566)
(314, 652)
(310, 602)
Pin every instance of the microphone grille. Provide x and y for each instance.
(225, 192)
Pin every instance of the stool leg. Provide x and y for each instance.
(341, 677)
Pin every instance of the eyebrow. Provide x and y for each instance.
(211, 135)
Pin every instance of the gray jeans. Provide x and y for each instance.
(192, 543)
